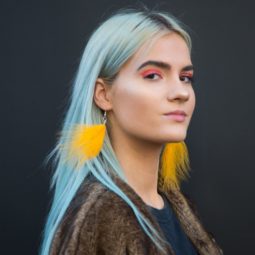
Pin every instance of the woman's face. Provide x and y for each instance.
(142, 94)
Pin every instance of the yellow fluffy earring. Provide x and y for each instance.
(85, 142)
(174, 165)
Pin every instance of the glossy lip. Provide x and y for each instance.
(177, 112)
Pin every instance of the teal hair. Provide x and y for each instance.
(109, 47)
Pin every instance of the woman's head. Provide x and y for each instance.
(113, 53)
(110, 77)
(156, 80)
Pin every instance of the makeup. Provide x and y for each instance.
(176, 117)
(151, 72)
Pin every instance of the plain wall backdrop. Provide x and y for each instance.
(42, 42)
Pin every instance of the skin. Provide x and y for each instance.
(136, 103)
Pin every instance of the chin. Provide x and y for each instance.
(176, 137)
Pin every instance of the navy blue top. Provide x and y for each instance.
(172, 229)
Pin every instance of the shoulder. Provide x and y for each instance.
(187, 213)
(97, 218)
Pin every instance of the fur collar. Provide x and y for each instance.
(85, 227)
(192, 226)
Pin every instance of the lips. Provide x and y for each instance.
(177, 112)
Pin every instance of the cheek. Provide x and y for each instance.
(133, 105)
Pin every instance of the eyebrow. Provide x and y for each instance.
(163, 65)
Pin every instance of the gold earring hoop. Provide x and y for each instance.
(104, 118)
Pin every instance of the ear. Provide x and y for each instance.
(102, 94)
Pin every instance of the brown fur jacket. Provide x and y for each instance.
(100, 222)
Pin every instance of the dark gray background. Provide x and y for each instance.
(42, 43)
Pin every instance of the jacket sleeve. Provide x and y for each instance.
(97, 230)
(75, 235)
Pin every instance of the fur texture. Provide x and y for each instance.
(99, 222)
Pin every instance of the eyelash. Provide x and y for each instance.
(191, 78)
(151, 74)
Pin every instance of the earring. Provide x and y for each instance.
(174, 165)
(85, 141)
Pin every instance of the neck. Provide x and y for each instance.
(140, 162)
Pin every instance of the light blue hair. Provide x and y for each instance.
(109, 47)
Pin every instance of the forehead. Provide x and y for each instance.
(170, 48)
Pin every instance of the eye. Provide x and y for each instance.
(152, 76)
(189, 79)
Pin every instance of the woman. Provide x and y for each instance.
(121, 155)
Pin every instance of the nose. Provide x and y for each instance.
(178, 90)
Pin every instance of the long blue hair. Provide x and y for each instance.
(109, 47)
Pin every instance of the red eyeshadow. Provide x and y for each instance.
(188, 74)
(150, 71)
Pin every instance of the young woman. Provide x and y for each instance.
(121, 154)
